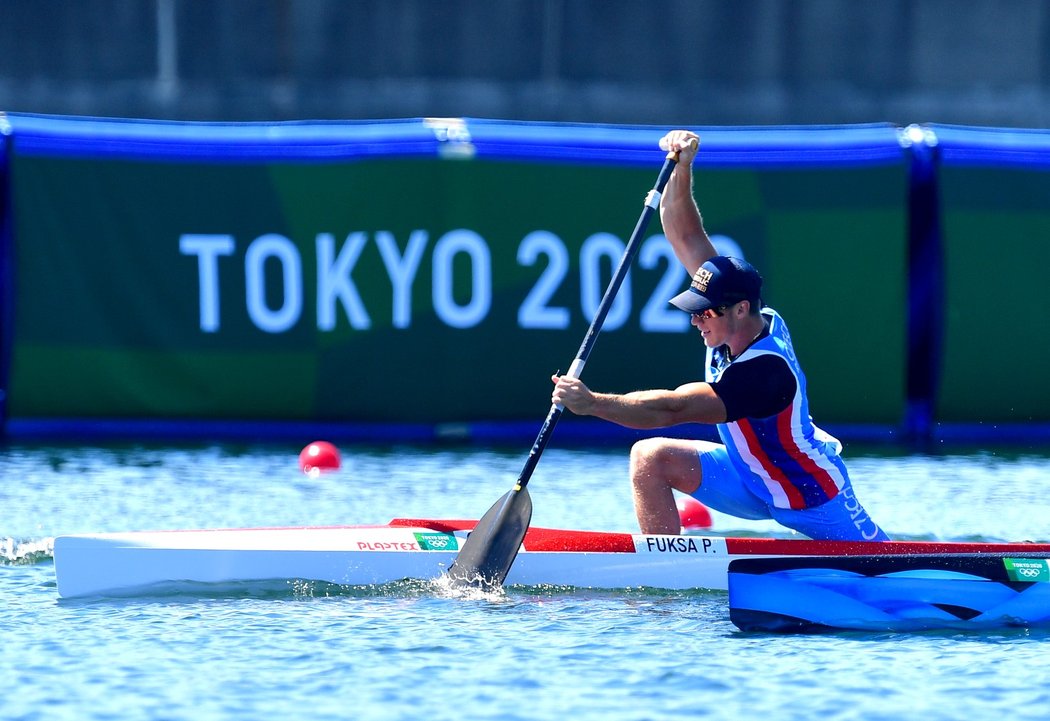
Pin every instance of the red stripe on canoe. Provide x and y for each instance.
(553, 539)
(801, 547)
(539, 539)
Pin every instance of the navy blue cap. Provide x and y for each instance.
(720, 281)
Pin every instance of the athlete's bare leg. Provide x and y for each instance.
(659, 465)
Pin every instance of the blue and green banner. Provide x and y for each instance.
(994, 186)
(424, 271)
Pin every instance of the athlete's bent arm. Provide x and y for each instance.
(689, 403)
(679, 214)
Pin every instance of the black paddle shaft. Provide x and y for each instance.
(486, 556)
(652, 202)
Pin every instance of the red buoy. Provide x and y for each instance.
(693, 514)
(319, 457)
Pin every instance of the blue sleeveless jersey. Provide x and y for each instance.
(790, 461)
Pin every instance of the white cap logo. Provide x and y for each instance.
(701, 279)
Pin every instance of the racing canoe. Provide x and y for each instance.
(141, 562)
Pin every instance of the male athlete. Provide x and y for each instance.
(773, 462)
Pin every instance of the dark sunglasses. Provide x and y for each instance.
(712, 313)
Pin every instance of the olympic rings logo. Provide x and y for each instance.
(435, 541)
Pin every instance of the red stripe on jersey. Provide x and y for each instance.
(803, 459)
(794, 496)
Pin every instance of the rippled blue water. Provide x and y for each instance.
(403, 652)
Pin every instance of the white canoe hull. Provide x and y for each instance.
(115, 564)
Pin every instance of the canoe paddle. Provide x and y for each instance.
(490, 549)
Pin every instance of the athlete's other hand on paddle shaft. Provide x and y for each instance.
(772, 461)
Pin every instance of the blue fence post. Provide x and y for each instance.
(7, 295)
(925, 306)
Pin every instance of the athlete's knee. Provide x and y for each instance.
(648, 458)
(660, 462)
(646, 448)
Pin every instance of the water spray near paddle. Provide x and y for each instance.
(490, 549)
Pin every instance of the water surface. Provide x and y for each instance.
(403, 651)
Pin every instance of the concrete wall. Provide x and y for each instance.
(689, 62)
